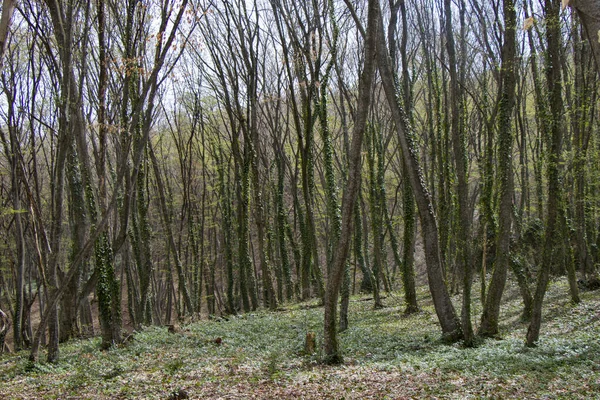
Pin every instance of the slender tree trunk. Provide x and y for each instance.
(553, 78)
(375, 207)
(408, 201)
(463, 239)
(410, 229)
(334, 279)
(225, 200)
(55, 237)
(584, 87)
(491, 310)
(78, 224)
(270, 299)
(13, 155)
(445, 311)
(346, 280)
(246, 269)
(169, 231)
(366, 285)
(20, 258)
(281, 227)
(345, 301)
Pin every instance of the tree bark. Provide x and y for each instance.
(491, 310)
(463, 239)
(334, 279)
(373, 140)
(8, 8)
(553, 79)
(445, 311)
(589, 13)
(410, 229)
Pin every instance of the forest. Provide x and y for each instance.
(174, 161)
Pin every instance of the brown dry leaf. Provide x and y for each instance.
(528, 23)
(564, 5)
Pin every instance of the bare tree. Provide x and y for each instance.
(334, 278)
(491, 311)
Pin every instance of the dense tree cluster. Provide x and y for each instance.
(164, 159)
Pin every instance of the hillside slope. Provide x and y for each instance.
(387, 356)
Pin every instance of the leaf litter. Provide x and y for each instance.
(387, 356)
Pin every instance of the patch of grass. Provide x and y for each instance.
(387, 355)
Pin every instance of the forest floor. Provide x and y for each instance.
(387, 356)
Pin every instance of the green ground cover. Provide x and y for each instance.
(386, 355)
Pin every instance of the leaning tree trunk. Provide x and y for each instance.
(340, 255)
(445, 311)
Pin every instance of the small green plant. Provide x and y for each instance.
(272, 368)
(174, 365)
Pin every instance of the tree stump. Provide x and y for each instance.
(310, 343)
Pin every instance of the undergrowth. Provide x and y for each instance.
(387, 355)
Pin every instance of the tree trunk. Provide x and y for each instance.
(551, 241)
(491, 310)
(281, 227)
(226, 214)
(446, 314)
(8, 8)
(410, 229)
(366, 284)
(585, 87)
(78, 225)
(589, 13)
(334, 279)
(14, 156)
(373, 139)
(463, 239)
